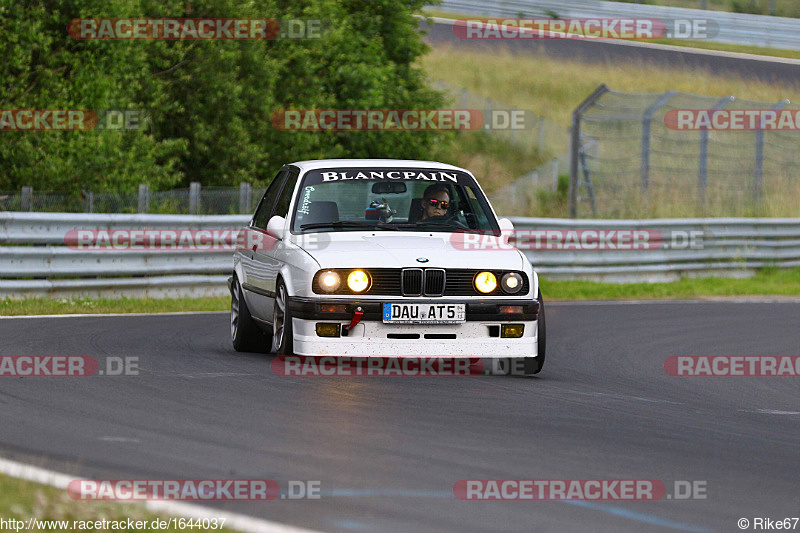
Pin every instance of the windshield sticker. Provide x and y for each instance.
(306, 200)
(391, 174)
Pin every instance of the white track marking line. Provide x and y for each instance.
(241, 522)
(732, 300)
(82, 315)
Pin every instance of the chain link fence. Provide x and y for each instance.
(547, 137)
(629, 163)
(194, 199)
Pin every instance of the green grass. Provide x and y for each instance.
(493, 160)
(783, 8)
(65, 306)
(22, 500)
(767, 282)
(705, 45)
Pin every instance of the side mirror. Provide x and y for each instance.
(277, 227)
(506, 230)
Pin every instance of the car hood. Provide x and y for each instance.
(387, 250)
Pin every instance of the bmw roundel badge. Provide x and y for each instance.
(422, 259)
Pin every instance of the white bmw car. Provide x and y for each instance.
(366, 257)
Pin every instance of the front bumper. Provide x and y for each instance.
(483, 310)
(371, 337)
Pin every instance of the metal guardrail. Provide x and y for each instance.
(734, 28)
(35, 262)
(732, 247)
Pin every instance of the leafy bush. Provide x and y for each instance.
(210, 102)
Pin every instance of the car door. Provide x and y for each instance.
(271, 257)
(258, 291)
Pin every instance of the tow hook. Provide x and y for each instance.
(353, 322)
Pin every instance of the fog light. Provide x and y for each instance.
(327, 330)
(513, 331)
(511, 309)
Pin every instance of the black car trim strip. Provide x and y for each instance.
(257, 290)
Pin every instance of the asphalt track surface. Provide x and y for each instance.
(626, 53)
(387, 451)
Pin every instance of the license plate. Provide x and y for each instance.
(424, 313)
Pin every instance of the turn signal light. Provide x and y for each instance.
(511, 309)
(332, 308)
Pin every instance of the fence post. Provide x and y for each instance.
(647, 120)
(488, 118)
(194, 197)
(702, 180)
(244, 198)
(511, 123)
(555, 174)
(541, 134)
(575, 146)
(144, 198)
(758, 177)
(26, 200)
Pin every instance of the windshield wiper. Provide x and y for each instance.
(347, 224)
(423, 223)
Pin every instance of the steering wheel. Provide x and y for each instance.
(449, 218)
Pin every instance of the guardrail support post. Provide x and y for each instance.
(26, 200)
(575, 146)
(702, 178)
(647, 120)
(144, 198)
(245, 192)
(194, 197)
(758, 176)
(89, 201)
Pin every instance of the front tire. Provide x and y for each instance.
(282, 322)
(245, 334)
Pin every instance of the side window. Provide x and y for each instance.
(264, 209)
(282, 207)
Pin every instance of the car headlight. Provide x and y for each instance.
(485, 282)
(358, 281)
(511, 282)
(329, 281)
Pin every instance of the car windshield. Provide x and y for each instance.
(391, 199)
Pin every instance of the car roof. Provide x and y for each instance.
(357, 163)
